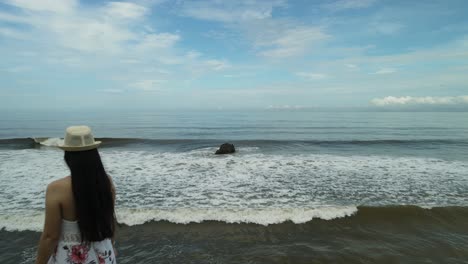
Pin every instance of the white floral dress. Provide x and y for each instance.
(70, 250)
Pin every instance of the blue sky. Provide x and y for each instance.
(233, 54)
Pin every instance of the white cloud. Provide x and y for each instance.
(386, 28)
(312, 76)
(89, 35)
(158, 41)
(72, 27)
(125, 10)
(113, 35)
(27, 53)
(11, 33)
(352, 67)
(13, 18)
(286, 107)
(111, 91)
(18, 69)
(428, 100)
(216, 65)
(148, 85)
(239, 75)
(162, 71)
(111, 28)
(349, 4)
(57, 6)
(130, 61)
(385, 71)
(200, 66)
(193, 54)
(270, 37)
(72, 61)
(289, 42)
(230, 11)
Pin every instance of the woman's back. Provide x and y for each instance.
(66, 199)
(79, 220)
(70, 248)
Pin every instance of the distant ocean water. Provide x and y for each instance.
(304, 186)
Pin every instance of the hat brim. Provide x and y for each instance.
(96, 144)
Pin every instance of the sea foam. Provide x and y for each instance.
(256, 216)
(51, 142)
(248, 187)
(34, 220)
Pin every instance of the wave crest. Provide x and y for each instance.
(51, 142)
(256, 216)
(401, 215)
(34, 220)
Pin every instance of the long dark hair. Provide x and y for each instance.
(92, 190)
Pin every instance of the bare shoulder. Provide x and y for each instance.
(60, 185)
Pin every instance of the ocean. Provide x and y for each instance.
(303, 187)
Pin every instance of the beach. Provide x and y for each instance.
(303, 186)
(372, 235)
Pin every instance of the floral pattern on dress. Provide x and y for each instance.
(71, 249)
(102, 256)
(78, 254)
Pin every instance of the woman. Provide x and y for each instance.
(79, 211)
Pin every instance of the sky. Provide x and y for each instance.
(218, 54)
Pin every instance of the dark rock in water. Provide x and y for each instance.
(226, 148)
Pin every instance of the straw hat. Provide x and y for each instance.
(79, 138)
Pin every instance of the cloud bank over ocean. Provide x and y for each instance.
(422, 103)
(427, 100)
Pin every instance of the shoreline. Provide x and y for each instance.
(391, 238)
